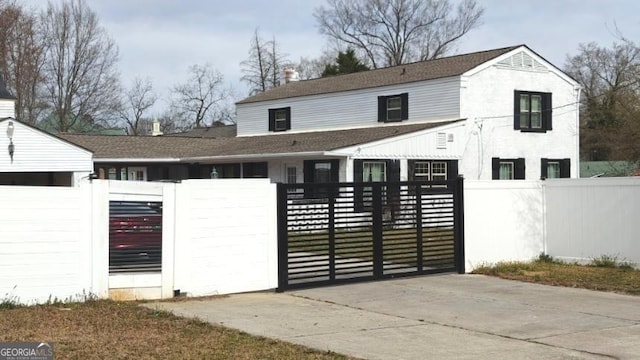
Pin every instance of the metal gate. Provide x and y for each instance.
(346, 232)
(135, 236)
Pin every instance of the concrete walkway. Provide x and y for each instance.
(436, 317)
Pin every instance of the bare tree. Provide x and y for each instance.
(136, 101)
(81, 80)
(21, 58)
(263, 68)
(256, 67)
(610, 78)
(202, 99)
(311, 68)
(394, 32)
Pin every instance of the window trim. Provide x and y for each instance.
(546, 109)
(392, 175)
(518, 168)
(565, 167)
(273, 121)
(383, 108)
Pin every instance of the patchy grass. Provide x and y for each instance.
(119, 330)
(399, 245)
(604, 274)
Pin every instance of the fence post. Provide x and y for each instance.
(458, 200)
(283, 246)
(378, 257)
(419, 233)
(331, 203)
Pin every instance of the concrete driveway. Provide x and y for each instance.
(436, 317)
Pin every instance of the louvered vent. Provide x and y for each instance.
(522, 60)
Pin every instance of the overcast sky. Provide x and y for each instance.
(159, 39)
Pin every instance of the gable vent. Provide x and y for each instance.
(522, 60)
(441, 140)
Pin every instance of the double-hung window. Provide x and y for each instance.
(393, 108)
(555, 168)
(367, 171)
(424, 170)
(507, 169)
(372, 171)
(532, 111)
(280, 119)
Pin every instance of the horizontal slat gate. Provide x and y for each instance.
(135, 236)
(344, 232)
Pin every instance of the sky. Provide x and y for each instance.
(160, 39)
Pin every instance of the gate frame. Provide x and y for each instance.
(377, 230)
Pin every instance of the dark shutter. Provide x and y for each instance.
(411, 172)
(547, 111)
(519, 169)
(307, 173)
(411, 169)
(382, 108)
(452, 169)
(516, 110)
(404, 100)
(393, 191)
(272, 120)
(565, 168)
(288, 122)
(495, 168)
(544, 163)
(335, 170)
(357, 191)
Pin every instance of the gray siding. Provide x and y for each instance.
(428, 100)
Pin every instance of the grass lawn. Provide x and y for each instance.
(122, 330)
(605, 274)
(399, 245)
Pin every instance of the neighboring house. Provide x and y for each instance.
(7, 101)
(498, 114)
(30, 156)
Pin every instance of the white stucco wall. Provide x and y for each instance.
(503, 221)
(487, 98)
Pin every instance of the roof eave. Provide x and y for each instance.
(253, 156)
(135, 160)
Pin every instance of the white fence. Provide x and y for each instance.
(503, 220)
(589, 218)
(571, 219)
(219, 236)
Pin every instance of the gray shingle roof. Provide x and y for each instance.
(418, 71)
(162, 147)
(209, 132)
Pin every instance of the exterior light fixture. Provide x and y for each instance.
(12, 148)
(214, 173)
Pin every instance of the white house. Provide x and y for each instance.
(498, 114)
(502, 114)
(30, 156)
